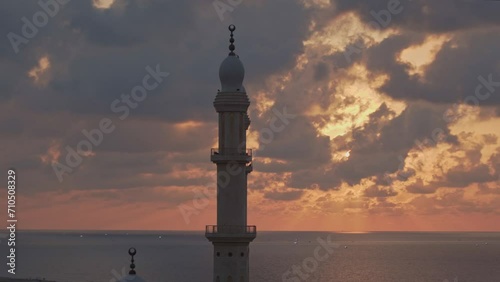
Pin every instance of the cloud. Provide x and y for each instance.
(376, 192)
(427, 15)
(377, 148)
(462, 177)
(284, 196)
(420, 188)
(102, 54)
(298, 144)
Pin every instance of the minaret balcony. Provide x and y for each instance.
(231, 233)
(231, 154)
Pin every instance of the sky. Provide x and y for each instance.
(388, 113)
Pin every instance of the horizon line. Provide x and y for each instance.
(202, 230)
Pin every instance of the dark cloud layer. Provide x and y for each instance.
(428, 16)
(97, 55)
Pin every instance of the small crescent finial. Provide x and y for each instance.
(232, 28)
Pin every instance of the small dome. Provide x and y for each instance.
(231, 74)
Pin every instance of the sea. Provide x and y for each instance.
(178, 256)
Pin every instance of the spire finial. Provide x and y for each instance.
(231, 46)
(132, 253)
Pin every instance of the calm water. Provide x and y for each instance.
(187, 256)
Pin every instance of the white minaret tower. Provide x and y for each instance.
(231, 236)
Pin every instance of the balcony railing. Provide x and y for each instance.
(231, 152)
(231, 229)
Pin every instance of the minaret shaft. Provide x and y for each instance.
(232, 176)
(231, 198)
(232, 131)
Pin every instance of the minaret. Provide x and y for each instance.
(231, 236)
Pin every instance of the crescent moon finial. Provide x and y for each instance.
(132, 252)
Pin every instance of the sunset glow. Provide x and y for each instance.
(384, 136)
